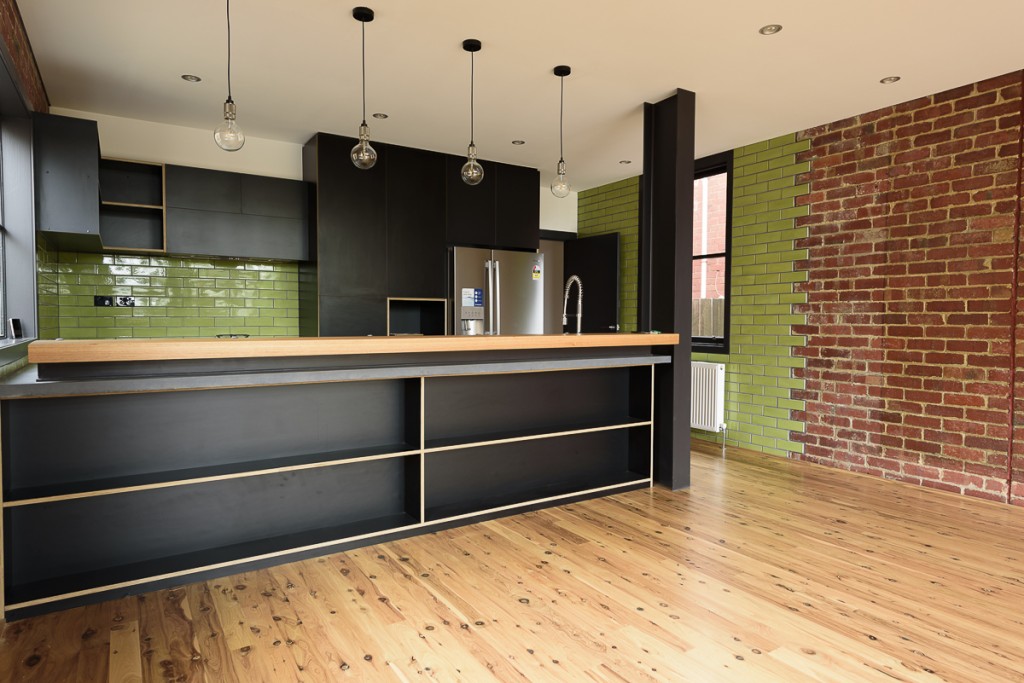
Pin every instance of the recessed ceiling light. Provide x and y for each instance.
(770, 29)
(626, 162)
(889, 79)
(519, 142)
(190, 78)
(380, 115)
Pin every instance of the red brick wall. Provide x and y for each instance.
(12, 32)
(911, 233)
(713, 271)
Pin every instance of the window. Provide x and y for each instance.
(712, 216)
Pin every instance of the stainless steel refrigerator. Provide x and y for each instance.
(497, 292)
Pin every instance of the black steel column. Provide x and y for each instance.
(667, 245)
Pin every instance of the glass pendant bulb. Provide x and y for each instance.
(229, 135)
(363, 155)
(472, 171)
(560, 187)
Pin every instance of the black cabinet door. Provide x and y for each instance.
(277, 197)
(351, 222)
(203, 190)
(67, 158)
(353, 316)
(417, 256)
(469, 209)
(517, 207)
(596, 261)
(217, 213)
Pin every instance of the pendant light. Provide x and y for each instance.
(560, 187)
(363, 155)
(228, 135)
(472, 171)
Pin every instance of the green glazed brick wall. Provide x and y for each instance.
(47, 302)
(768, 184)
(616, 208)
(175, 297)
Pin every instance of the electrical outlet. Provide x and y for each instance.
(103, 301)
(126, 301)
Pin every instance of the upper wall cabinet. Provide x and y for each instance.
(217, 213)
(517, 207)
(66, 157)
(502, 212)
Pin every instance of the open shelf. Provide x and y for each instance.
(76, 544)
(624, 479)
(417, 316)
(123, 440)
(480, 478)
(197, 475)
(127, 226)
(434, 445)
(131, 182)
(186, 563)
(467, 409)
(132, 205)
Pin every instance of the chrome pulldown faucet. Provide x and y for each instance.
(579, 302)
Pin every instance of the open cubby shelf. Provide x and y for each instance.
(132, 205)
(439, 513)
(100, 579)
(531, 434)
(133, 490)
(195, 475)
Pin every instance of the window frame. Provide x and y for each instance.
(702, 168)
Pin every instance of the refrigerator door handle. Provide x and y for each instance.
(497, 294)
(490, 297)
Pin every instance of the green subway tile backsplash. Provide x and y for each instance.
(174, 296)
(759, 367)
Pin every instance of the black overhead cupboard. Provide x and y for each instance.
(384, 233)
(85, 202)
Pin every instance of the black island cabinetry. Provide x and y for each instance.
(155, 479)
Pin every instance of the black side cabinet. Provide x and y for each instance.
(417, 257)
(216, 213)
(66, 159)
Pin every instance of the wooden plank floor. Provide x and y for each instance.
(765, 570)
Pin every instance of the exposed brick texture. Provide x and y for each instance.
(12, 32)
(912, 224)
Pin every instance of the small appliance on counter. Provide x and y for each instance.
(497, 292)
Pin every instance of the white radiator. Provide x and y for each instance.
(707, 396)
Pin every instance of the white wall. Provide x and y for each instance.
(139, 140)
(557, 214)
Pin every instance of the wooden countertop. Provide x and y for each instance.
(118, 350)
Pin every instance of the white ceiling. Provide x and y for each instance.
(296, 67)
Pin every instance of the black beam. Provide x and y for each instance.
(667, 213)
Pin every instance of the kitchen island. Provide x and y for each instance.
(130, 465)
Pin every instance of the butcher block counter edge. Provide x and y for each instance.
(121, 350)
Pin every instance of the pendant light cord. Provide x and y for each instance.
(228, 3)
(364, 71)
(561, 115)
(472, 94)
